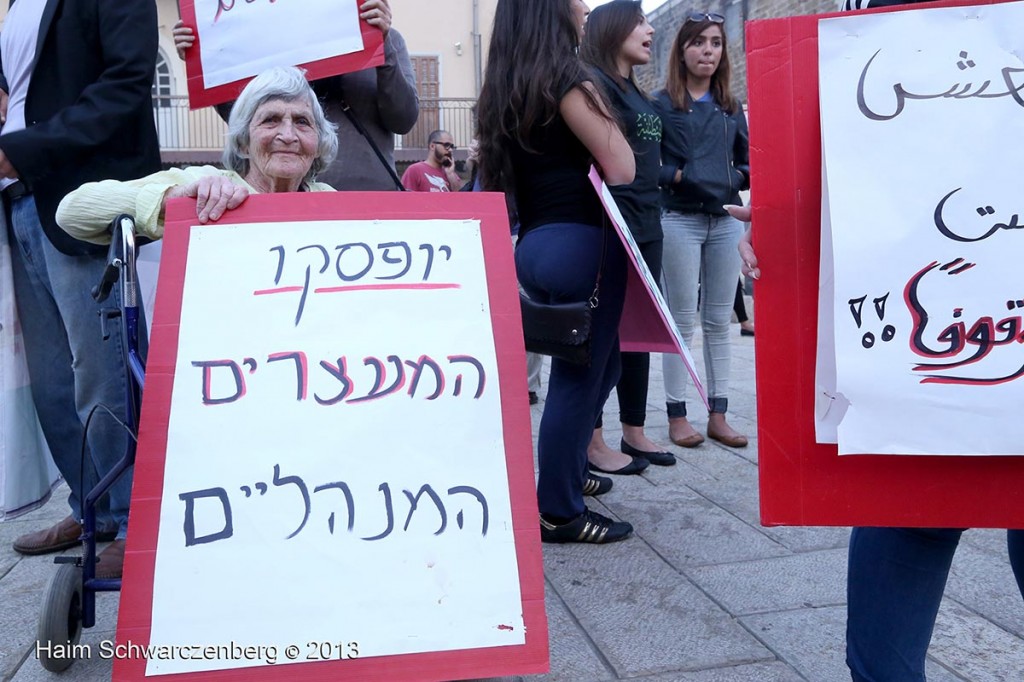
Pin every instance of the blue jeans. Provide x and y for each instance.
(700, 256)
(73, 370)
(895, 584)
(558, 263)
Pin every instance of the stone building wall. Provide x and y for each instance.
(669, 17)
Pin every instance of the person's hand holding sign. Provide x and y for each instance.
(746, 246)
(214, 195)
(184, 38)
(376, 13)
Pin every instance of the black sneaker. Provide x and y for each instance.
(587, 527)
(596, 485)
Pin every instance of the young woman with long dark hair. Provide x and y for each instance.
(705, 164)
(618, 38)
(542, 122)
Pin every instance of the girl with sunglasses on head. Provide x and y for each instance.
(541, 123)
(618, 38)
(705, 164)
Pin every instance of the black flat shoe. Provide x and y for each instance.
(596, 485)
(587, 527)
(635, 466)
(661, 458)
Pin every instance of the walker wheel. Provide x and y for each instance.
(60, 623)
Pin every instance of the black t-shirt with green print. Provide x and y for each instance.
(640, 200)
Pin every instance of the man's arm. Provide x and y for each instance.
(128, 42)
(397, 100)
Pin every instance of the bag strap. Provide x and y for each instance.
(373, 145)
(594, 300)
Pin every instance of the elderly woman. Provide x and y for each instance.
(278, 140)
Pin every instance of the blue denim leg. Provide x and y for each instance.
(73, 370)
(558, 263)
(1015, 546)
(700, 254)
(895, 584)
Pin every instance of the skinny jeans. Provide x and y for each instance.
(894, 588)
(558, 263)
(700, 260)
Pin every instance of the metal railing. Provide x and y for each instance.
(198, 136)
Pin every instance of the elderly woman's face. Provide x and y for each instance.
(283, 143)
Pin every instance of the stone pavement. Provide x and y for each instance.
(700, 593)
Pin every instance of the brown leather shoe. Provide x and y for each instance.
(60, 536)
(733, 441)
(691, 441)
(110, 561)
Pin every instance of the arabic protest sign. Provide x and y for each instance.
(917, 110)
(237, 40)
(801, 481)
(335, 462)
(646, 325)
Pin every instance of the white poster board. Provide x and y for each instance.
(334, 455)
(288, 33)
(922, 120)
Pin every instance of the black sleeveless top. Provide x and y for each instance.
(551, 185)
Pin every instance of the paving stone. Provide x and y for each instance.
(23, 589)
(749, 587)
(975, 648)
(759, 672)
(991, 540)
(687, 528)
(573, 655)
(607, 588)
(91, 669)
(812, 641)
(985, 584)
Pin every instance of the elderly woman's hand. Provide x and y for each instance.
(184, 38)
(214, 194)
(377, 13)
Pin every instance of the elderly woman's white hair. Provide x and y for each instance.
(285, 83)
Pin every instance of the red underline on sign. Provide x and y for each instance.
(279, 290)
(369, 287)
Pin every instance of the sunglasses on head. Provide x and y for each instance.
(449, 146)
(706, 16)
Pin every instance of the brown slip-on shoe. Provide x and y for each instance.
(737, 441)
(110, 561)
(691, 441)
(62, 535)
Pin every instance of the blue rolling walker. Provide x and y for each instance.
(70, 601)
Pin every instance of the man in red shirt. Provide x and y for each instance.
(437, 173)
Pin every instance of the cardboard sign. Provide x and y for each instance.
(803, 482)
(335, 468)
(236, 41)
(647, 325)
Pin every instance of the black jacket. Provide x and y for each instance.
(711, 147)
(89, 110)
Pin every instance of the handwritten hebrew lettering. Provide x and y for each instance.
(430, 509)
(189, 524)
(335, 383)
(355, 262)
